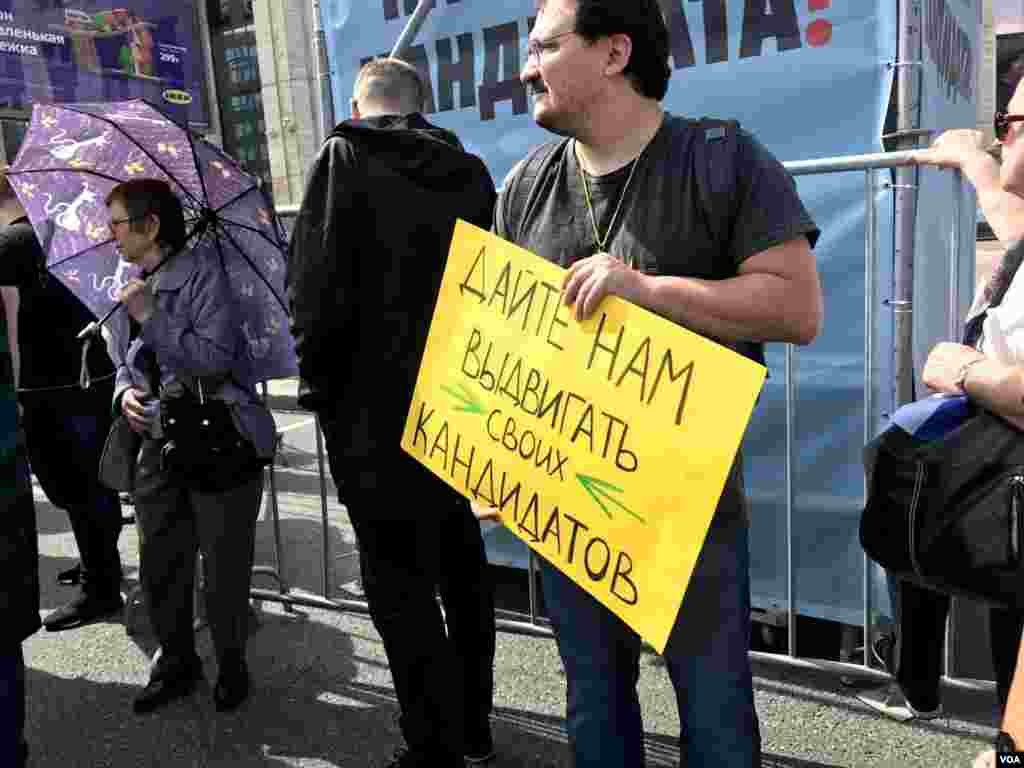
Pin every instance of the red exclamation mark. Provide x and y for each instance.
(819, 32)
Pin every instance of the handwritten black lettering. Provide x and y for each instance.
(530, 514)
(644, 352)
(553, 527)
(458, 461)
(597, 574)
(440, 443)
(532, 389)
(511, 496)
(521, 299)
(576, 526)
(481, 262)
(599, 345)
(585, 426)
(687, 371)
(623, 573)
(475, 340)
(554, 405)
(488, 474)
(513, 383)
(501, 288)
(557, 322)
(421, 422)
(487, 378)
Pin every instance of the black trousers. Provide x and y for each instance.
(66, 432)
(920, 644)
(417, 537)
(13, 749)
(174, 523)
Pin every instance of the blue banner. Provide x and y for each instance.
(811, 79)
(61, 51)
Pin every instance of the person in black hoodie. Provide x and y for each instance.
(365, 263)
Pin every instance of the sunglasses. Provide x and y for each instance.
(1001, 123)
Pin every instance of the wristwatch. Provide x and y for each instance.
(1005, 743)
(961, 375)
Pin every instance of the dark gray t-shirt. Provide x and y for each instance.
(661, 227)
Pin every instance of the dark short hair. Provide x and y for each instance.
(141, 197)
(643, 21)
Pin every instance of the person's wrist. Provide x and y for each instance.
(960, 382)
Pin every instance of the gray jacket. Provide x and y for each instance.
(195, 332)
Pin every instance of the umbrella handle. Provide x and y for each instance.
(89, 331)
(93, 328)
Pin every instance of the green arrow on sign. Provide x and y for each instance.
(469, 404)
(601, 491)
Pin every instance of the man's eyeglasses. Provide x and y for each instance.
(536, 49)
(1002, 121)
(115, 223)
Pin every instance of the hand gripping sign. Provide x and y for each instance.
(604, 445)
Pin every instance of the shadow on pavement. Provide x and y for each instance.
(306, 709)
(302, 554)
(295, 664)
(959, 705)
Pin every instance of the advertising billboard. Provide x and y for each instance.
(61, 51)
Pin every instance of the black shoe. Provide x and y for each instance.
(479, 746)
(232, 685)
(71, 577)
(167, 683)
(409, 758)
(85, 608)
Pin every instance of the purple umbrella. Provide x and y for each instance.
(74, 154)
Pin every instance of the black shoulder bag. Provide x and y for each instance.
(946, 513)
(204, 449)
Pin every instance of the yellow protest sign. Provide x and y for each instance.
(605, 445)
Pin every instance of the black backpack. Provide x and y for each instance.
(715, 164)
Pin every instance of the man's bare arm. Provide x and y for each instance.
(775, 297)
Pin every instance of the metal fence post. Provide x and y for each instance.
(870, 328)
(412, 28)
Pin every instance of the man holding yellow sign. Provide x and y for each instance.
(623, 204)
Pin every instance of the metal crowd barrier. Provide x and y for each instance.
(534, 624)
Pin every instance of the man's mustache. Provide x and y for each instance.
(536, 87)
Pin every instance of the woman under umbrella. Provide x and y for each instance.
(186, 339)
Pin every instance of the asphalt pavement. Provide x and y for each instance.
(322, 693)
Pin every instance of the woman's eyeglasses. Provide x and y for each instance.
(115, 223)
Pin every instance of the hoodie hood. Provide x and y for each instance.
(428, 156)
